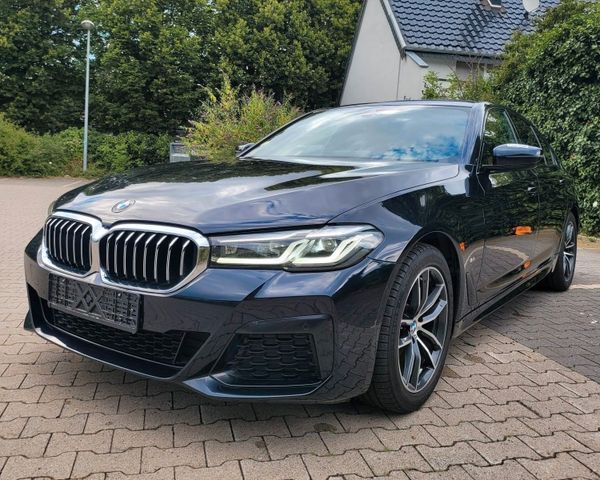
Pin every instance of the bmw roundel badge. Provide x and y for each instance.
(122, 205)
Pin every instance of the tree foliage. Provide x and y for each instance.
(41, 64)
(294, 48)
(154, 60)
(553, 77)
(228, 118)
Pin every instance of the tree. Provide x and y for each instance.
(553, 77)
(297, 48)
(41, 66)
(153, 61)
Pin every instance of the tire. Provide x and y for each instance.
(560, 279)
(400, 338)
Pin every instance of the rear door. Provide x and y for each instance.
(511, 209)
(554, 201)
(552, 192)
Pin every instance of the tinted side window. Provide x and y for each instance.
(497, 131)
(547, 151)
(525, 131)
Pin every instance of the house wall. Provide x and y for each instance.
(378, 71)
(411, 81)
(375, 64)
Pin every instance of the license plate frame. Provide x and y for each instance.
(107, 306)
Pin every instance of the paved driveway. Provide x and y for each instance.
(511, 404)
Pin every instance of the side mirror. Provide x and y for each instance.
(242, 147)
(514, 155)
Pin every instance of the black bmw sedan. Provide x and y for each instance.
(336, 258)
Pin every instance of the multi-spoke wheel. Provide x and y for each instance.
(569, 250)
(562, 276)
(423, 329)
(415, 332)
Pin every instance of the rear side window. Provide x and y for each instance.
(497, 131)
(525, 131)
(549, 155)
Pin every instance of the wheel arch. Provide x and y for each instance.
(450, 250)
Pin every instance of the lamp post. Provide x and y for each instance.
(86, 25)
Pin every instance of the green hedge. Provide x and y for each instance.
(553, 77)
(25, 154)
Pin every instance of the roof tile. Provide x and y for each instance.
(462, 26)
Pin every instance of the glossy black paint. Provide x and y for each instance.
(499, 229)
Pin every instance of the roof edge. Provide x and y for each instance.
(392, 20)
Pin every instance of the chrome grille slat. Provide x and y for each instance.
(181, 261)
(67, 241)
(75, 259)
(173, 242)
(61, 237)
(140, 236)
(125, 252)
(156, 250)
(146, 254)
(116, 250)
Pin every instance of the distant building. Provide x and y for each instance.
(398, 41)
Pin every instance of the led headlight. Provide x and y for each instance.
(328, 247)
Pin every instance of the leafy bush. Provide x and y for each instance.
(553, 77)
(475, 87)
(25, 154)
(228, 119)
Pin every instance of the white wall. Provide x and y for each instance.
(411, 82)
(375, 63)
(378, 72)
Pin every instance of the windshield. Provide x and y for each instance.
(403, 133)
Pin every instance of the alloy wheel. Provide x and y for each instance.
(423, 328)
(569, 250)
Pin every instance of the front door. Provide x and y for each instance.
(511, 209)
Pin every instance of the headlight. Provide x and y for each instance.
(325, 248)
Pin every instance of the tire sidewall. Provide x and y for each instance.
(431, 257)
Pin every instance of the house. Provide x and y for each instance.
(398, 41)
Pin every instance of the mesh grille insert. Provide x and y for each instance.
(272, 359)
(170, 348)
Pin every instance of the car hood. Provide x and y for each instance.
(247, 194)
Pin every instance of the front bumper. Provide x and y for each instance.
(246, 334)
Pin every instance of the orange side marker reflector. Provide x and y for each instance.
(527, 264)
(462, 246)
(520, 230)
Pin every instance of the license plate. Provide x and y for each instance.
(98, 304)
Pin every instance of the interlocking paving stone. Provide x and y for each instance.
(291, 467)
(514, 400)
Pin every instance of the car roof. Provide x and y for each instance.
(440, 103)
